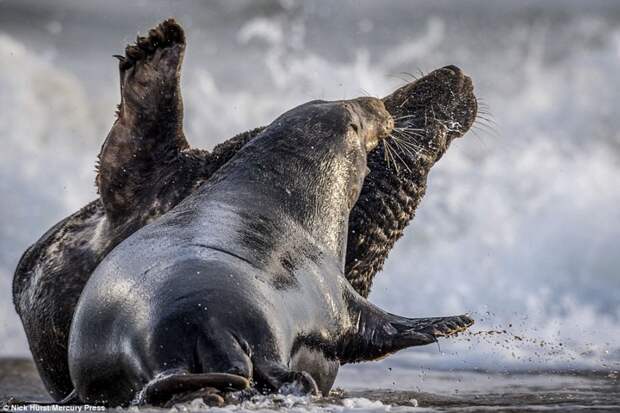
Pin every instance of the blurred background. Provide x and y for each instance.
(521, 222)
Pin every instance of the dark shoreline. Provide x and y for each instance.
(437, 390)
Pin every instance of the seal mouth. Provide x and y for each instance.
(386, 128)
(428, 113)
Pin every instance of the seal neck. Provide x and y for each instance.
(314, 192)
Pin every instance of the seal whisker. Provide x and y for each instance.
(485, 129)
(404, 117)
(474, 131)
(486, 117)
(482, 104)
(399, 157)
(410, 75)
(409, 146)
(403, 146)
(404, 102)
(401, 143)
(411, 134)
(486, 125)
(395, 158)
(408, 143)
(366, 93)
(385, 154)
(406, 81)
(486, 114)
(403, 138)
(389, 156)
(407, 124)
(410, 129)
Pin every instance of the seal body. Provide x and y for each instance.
(244, 278)
(242, 274)
(224, 289)
(146, 168)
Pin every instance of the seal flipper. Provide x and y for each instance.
(148, 132)
(274, 376)
(165, 389)
(379, 333)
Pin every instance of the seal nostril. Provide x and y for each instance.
(355, 128)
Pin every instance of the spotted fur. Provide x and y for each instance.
(146, 168)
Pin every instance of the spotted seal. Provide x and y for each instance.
(245, 277)
(52, 273)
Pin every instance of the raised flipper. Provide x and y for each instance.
(377, 333)
(147, 136)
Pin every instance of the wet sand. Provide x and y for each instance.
(366, 388)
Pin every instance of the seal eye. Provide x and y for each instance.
(355, 128)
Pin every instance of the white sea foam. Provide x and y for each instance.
(44, 124)
(297, 404)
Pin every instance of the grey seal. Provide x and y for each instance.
(244, 279)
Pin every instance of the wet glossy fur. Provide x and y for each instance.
(53, 272)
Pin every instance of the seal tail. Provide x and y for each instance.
(181, 387)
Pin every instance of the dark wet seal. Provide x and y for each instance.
(429, 112)
(195, 298)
